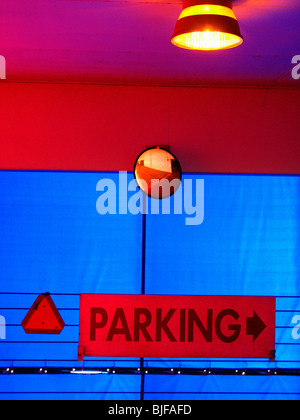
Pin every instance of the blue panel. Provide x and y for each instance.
(248, 243)
(53, 239)
(212, 387)
(69, 387)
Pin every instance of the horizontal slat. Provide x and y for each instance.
(156, 387)
(68, 351)
(71, 316)
(16, 316)
(221, 363)
(69, 386)
(71, 364)
(15, 333)
(235, 385)
(69, 395)
(288, 303)
(225, 395)
(287, 335)
(287, 352)
(32, 351)
(284, 319)
(26, 300)
(221, 387)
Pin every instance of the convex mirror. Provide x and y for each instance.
(157, 172)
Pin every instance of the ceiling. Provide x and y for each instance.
(128, 42)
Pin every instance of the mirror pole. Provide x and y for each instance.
(143, 283)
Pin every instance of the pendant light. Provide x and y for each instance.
(207, 25)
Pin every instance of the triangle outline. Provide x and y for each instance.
(53, 325)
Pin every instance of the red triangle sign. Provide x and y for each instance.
(43, 317)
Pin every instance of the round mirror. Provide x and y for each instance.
(157, 172)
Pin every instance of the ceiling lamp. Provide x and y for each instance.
(207, 26)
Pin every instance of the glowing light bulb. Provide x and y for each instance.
(207, 27)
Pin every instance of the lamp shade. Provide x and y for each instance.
(207, 25)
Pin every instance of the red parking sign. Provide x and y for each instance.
(176, 326)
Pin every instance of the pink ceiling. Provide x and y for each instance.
(128, 42)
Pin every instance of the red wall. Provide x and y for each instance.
(104, 128)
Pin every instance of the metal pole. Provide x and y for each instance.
(143, 283)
